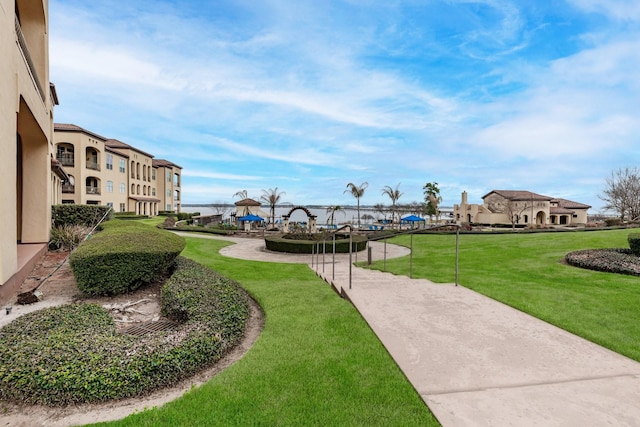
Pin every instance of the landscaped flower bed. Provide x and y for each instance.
(74, 354)
(621, 261)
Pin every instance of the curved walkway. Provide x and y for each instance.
(476, 361)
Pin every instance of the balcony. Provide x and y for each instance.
(68, 188)
(66, 159)
(93, 190)
(22, 42)
(93, 165)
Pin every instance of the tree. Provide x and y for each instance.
(333, 210)
(242, 194)
(432, 199)
(513, 210)
(622, 193)
(394, 195)
(272, 197)
(379, 207)
(357, 191)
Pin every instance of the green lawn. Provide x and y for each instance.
(315, 363)
(526, 271)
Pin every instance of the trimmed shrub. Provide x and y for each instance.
(634, 243)
(621, 261)
(197, 294)
(73, 354)
(123, 257)
(612, 222)
(87, 215)
(280, 243)
(203, 229)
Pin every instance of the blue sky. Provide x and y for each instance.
(308, 96)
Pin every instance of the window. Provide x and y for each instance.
(109, 161)
(168, 193)
(176, 180)
(122, 207)
(133, 170)
(153, 174)
(122, 165)
(168, 176)
(110, 204)
(109, 186)
(153, 191)
(168, 206)
(123, 188)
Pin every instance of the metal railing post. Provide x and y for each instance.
(333, 273)
(350, 252)
(457, 252)
(411, 256)
(384, 264)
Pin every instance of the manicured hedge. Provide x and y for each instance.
(279, 243)
(634, 243)
(209, 230)
(621, 261)
(73, 354)
(68, 214)
(123, 257)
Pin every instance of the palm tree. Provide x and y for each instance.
(394, 195)
(243, 194)
(357, 191)
(272, 198)
(333, 210)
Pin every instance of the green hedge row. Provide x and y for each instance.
(124, 256)
(201, 229)
(279, 243)
(68, 214)
(73, 354)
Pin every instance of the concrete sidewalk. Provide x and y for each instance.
(476, 361)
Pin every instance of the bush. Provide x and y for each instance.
(67, 237)
(123, 257)
(280, 243)
(87, 215)
(73, 354)
(634, 243)
(621, 261)
(612, 222)
(203, 229)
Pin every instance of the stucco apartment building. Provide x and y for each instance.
(524, 207)
(27, 98)
(106, 171)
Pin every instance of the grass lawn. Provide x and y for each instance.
(526, 271)
(315, 363)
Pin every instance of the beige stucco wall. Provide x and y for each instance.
(115, 197)
(25, 214)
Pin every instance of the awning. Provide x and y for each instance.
(250, 218)
(412, 218)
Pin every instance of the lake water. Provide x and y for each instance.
(368, 214)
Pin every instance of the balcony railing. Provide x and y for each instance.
(66, 159)
(68, 188)
(93, 165)
(93, 190)
(27, 57)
